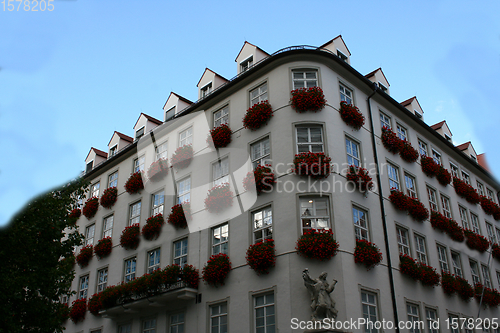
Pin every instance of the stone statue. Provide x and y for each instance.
(322, 304)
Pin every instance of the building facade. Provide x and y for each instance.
(248, 302)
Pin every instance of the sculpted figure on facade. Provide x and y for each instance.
(322, 304)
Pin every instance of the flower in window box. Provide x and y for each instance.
(417, 210)
(109, 296)
(215, 271)
(443, 176)
(465, 290)
(409, 267)
(495, 251)
(152, 228)
(109, 197)
(258, 115)
(399, 199)
(429, 166)
(220, 136)
(308, 99)
(129, 238)
(439, 221)
(190, 276)
(391, 141)
(490, 297)
(367, 253)
(317, 244)
(428, 275)
(261, 256)
(314, 165)
(103, 247)
(488, 206)
(360, 177)
(449, 283)
(180, 214)
(351, 116)
(95, 304)
(84, 256)
(455, 231)
(466, 191)
(261, 179)
(158, 170)
(408, 153)
(90, 207)
(475, 241)
(219, 198)
(74, 214)
(78, 310)
(171, 274)
(182, 157)
(134, 184)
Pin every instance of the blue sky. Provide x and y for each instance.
(72, 76)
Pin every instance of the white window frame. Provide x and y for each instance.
(361, 226)
(490, 230)
(309, 144)
(220, 239)
(158, 203)
(443, 258)
(113, 179)
(83, 287)
(107, 226)
(258, 94)
(102, 279)
(465, 177)
(436, 156)
(268, 303)
(161, 151)
(220, 171)
(206, 90)
(346, 94)
(184, 190)
(180, 253)
(94, 193)
(480, 188)
(413, 313)
(393, 174)
(385, 120)
(304, 81)
(485, 271)
(474, 221)
(490, 195)
(262, 224)
(113, 150)
(90, 234)
(445, 204)
(474, 271)
(454, 170)
(310, 219)
(246, 64)
(431, 318)
(403, 237)
(139, 163)
(148, 325)
(457, 263)
(259, 154)
(170, 113)
(140, 132)
(186, 137)
(432, 195)
(135, 213)
(218, 318)
(353, 152)
(410, 186)
(176, 323)
(422, 148)
(369, 310)
(221, 116)
(402, 132)
(420, 249)
(153, 260)
(129, 269)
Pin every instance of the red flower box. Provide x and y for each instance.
(103, 247)
(408, 266)
(308, 99)
(129, 238)
(95, 304)
(449, 284)
(221, 136)
(360, 177)
(399, 200)
(455, 231)
(261, 179)
(367, 253)
(417, 210)
(442, 223)
(429, 166)
(391, 141)
(489, 207)
(134, 183)
(158, 170)
(182, 157)
(84, 256)
(180, 214)
(78, 310)
(465, 290)
(443, 176)
(466, 191)
(152, 228)
(408, 153)
(495, 251)
(317, 244)
(261, 256)
(258, 115)
(428, 275)
(219, 198)
(491, 297)
(315, 165)
(439, 221)
(215, 271)
(475, 241)
(90, 207)
(109, 197)
(75, 214)
(351, 116)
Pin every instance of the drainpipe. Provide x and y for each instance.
(382, 209)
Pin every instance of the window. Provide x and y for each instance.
(454, 319)
(411, 190)
(382, 87)
(221, 116)
(310, 139)
(206, 90)
(102, 279)
(352, 149)
(130, 266)
(385, 121)
(161, 151)
(480, 188)
(420, 249)
(474, 270)
(464, 217)
(153, 260)
(403, 241)
(258, 94)
(135, 213)
(475, 223)
(457, 263)
(125, 328)
(341, 56)
(220, 239)
(139, 164)
(345, 94)
(264, 313)
(158, 203)
(89, 166)
(413, 316)
(94, 193)
(314, 213)
(218, 318)
(454, 170)
(443, 259)
(184, 191)
(498, 235)
(221, 171)
(107, 226)
(83, 287)
(486, 276)
(149, 325)
(432, 320)
(89, 235)
(498, 277)
(436, 156)
(490, 195)
(246, 64)
(305, 78)
(369, 305)
(186, 137)
(360, 219)
(445, 203)
(260, 152)
(112, 151)
(465, 177)
(422, 148)
(181, 252)
(491, 233)
(139, 133)
(113, 179)
(262, 224)
(177, 323)
(393, 174)
(170, 114)
(402, 134)
(432, 199)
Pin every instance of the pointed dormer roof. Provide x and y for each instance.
(246, 44)
(336, 41)
(121, 136)
(209, 72)
(148, 118)
(97, 152)
(413, 105)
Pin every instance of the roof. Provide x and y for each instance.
(408, 101)
(463, 146)
(182, 98)
(375, 71)
(97, 152)
(481, 160)
(438, 125)
(151, 119)
(122, 136)
(258, 48)
(208, 69)
(331, 40)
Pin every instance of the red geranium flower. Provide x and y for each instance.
(443, 176)
(261, 179)
(182, 157)
(134, 184)
(475, 241)
(219, 198)
(158, 170)
(258, 115)
(317, 244)
(367, 253)
(351, 115)
(315, 165)
(152, 228)
(90, 207)
(360, 177)
(180, 214)
(220, 136)
(109, 197)
(308, 99)
(103, 247)
(408, 153)
(391, 141)
(429, 166)
(129, 238)
(466, 191)
(84, 256)
(95, 304)
(261, 256)
(217, 268)
(78, 310)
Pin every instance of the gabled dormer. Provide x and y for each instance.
(468, 150)
(209, 82)
(414, 107)
(94, 157)
(443, 129)
(378, 77)
(144, 125)
(248, 56)
(338, 47)
(174, 104)
(118, 142)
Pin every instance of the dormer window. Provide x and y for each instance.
(382, 87)
(206, 90)
(170, 114)
(246, 64)
(112, 151)
(418, 114)
(90, 166)
(447, 137)
(341, 56)
(139, 133)
(473, 158)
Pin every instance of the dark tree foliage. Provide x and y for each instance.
(36, 258)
